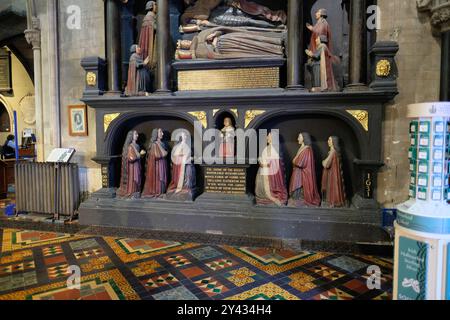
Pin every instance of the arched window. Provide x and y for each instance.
(5, 124)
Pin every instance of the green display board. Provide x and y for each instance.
(412, 265)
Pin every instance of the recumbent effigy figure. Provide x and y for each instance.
(233, 13)
(233, 43)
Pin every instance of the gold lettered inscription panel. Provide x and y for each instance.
(243, 78)
(226, 180)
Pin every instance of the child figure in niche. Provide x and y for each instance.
(228, 134)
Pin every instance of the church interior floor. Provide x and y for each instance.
(34, 265)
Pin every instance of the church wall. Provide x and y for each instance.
(74, 44)
(419, 75)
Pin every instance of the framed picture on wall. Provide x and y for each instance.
(78, 125)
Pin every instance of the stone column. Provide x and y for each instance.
(113, 51)
(162, 46)
(440, 22)
(295, 74)
(53, 114)
(357, 54)
(33, 37)
(445, 67)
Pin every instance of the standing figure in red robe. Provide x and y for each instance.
(333, 187)
(156, 177)
(270, 180)
(130, 181)
(303, 189)
(182, 186)
(148, 34)
(321, 28)
(320, 64)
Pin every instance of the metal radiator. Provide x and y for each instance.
(36, 185)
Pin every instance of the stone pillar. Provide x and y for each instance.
(53, 110)
(295, 74)
(162, 46)
(357, 54)
(440, 22)
(445, 67)
(113, 51)
(33, 37)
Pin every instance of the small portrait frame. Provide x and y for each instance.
(78, 125)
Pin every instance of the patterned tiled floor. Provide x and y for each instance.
(34, 265)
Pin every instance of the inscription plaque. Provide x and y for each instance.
(226, 180)
(5, 71)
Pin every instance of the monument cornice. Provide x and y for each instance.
(439, 11)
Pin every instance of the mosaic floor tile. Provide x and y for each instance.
(17, 281)
(192, 272)
(160, 281)
(16, 267)
(96, 264)
(357, 286)
(145, 246)
(242, 276)
(322, 270)
(116, 244)
(274, 262)
(110, 285)
(84, 244)
(146, 268)
(205, 253)
(267, 291)
(178, 261)
(211, 286)
(179, 293)
(52, 251)
(88, 253)
(384, 296)
(23, 239)
(58, 271)
(348, 264)
(333, 294)
(15, 256)
(302, 282)
(221, 264)
(36, 267)
(54, 260)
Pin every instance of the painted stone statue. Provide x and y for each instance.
(320, 65)
(333, 187)
(303, 190)
(138, 83)
(156, 172)
(130, 181)
(321, 28)
(233, 13)
(228, 135)
(183, 184)
(270, 180)
(233, 43)
(147, 37)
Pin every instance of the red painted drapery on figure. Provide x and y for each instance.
(304, 177)
(327, 79)
(333, 181)
(147, 38)
(183, 172)
(130, 182)
(156, 177)
(270, 183)
(321, 28)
